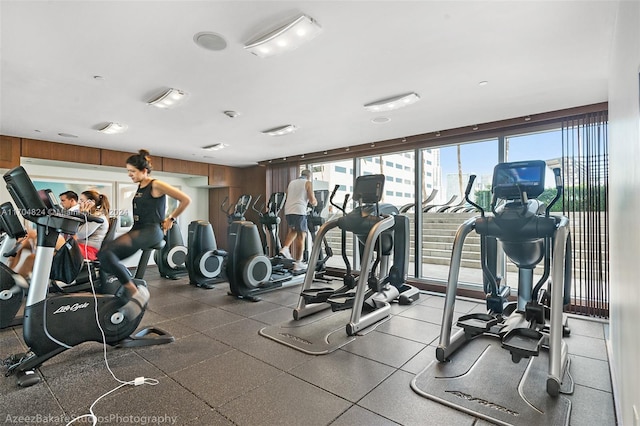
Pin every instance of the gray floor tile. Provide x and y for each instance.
(273, 353)
(210, 318)
(419, 362)
(358, 416)
(285, 400)
(276, 316)
(589, 372)
(165, 403)
(183, 352)
(236, 333)
(424, 313)
(591, 407)
(385, 348)
(585, 327)
(409, 328)
(344, 374)
(181, 308)
(221, 379)
(587, 346)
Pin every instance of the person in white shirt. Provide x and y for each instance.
(299, 196)
(69, 201)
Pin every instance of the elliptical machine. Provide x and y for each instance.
(529, 235)
(54, 323)
(171, 259)
(13, 287)
(205, 261)
(250, 271)
(380, 230)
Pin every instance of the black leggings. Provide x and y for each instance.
(112, 252)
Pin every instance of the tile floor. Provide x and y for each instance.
(220, 371)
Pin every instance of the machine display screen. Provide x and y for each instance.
(511, 179)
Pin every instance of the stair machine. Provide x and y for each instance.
(54, 323)
(380, 230)
(250, 271)
(529, 235)
(171, 259)
(13, 287)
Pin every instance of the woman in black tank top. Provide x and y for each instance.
(149, 227)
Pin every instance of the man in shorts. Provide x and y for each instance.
(299, 196)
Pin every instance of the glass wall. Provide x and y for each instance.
(445, 174)
(325, 177)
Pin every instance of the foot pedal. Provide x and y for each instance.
(477, 323)
(146, 337)
(408, 295)
(27, 378)
(522, 343)
(317, 295)
(341, 301)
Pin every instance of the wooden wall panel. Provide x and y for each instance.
(60, 151)
(114, 158)
(218, 219)
(184, 166)
(9, 152)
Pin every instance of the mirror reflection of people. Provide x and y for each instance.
(299, 196)
(90, 235)
(149, 227)
(69, 201)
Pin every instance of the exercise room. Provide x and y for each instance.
(319, 213)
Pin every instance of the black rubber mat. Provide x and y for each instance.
(481, 380)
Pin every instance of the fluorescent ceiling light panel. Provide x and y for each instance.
(168, 99)
(393, 103)
(282, 130)
(288, 37)
(113, 128)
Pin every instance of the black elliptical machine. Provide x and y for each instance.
(250, 271)
(13, 287)
(54, 323)
(269, 229)
(379, 230)
(205, 261)
(529, 235)
(171, 259)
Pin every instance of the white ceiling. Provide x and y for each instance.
(537, 56)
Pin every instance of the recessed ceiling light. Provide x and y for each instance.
(483, 83)
(379, 120)
(113, 128)
(282, 130)
(215, 147)
(67, 135)
(285, 38)
(392, 103)
(168, 99)
(210, 41)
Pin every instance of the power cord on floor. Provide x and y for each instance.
(136, 382)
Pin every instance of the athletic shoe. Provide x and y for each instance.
(285, 253)
(299, 266)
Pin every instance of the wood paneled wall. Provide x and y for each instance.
(9, 152)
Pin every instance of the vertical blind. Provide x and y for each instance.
(586, 178)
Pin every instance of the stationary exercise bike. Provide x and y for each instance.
(529, 234)
(13, 287)
(54, 323)
(379, 230)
